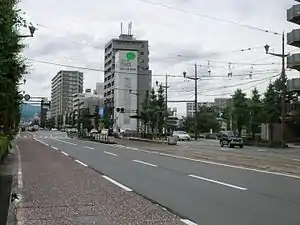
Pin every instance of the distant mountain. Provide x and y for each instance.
(29, 111)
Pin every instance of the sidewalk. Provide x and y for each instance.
(59, 191)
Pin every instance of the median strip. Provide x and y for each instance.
(116, 183)
(218, 182)
(145, 163)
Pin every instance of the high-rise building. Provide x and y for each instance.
(190, 107)
(126, 43)
(100, 89)
(64, 85)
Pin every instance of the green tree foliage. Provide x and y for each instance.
(161, 109)
(153, 109)
(256, 114)
(271, 107)
(145, 112)
(12, 65)
(97, 117)
(240, 111)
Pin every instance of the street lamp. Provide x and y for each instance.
(32, 29)
(282, 55)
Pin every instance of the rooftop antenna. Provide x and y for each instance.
(121, 27)
(129, 28)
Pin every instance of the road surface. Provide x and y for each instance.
(205, 193)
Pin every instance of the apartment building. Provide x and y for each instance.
(63, 85)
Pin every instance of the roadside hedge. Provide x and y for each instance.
(4, 147)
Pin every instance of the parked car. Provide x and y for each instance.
(231, 140)
(181, 136)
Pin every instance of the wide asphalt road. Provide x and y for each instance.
(206, 193)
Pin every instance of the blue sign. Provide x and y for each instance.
(101, 112)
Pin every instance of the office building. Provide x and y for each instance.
(126, 43)
(222, 103)
(63, 86)
(190, 107)
(100, 89)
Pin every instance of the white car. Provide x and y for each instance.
(181, 136)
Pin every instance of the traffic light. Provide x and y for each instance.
(120, 110)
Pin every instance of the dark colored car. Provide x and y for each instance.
(231, 140)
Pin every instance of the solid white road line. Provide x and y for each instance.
(66, 142)
(110, 153)
(41, 142)
(81, 163)
(218, 182)
(145, 163)
(135, 149)
(20, 174)
(120, 146)
(116, 183)
(188, 222)
(64, 153)
(54, 148)
(88, 147)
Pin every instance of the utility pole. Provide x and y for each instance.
(283, 83)
(195, 79)
(196, 102)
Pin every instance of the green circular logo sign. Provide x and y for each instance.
(130, 56)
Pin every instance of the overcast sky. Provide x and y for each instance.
(186, 32)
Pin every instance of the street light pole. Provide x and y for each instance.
(31, 30)
(195, 79)
(283, 83)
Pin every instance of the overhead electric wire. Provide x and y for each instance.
(209, 17)
(102, 70)
(252, 86)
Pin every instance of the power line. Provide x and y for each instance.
(233, 85)
(209, 17)
(101, 70)
(252, 86)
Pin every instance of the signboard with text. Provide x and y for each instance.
(126, 61)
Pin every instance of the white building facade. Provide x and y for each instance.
(126, 79)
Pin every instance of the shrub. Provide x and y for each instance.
(4, 147)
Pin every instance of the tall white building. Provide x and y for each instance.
(126, 78)
(126, 42)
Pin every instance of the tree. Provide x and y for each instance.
(207, 121)
(12, 65)
(145, 112)
(97, 117)
(256, 116)
(153, 109)
(240, 113)
(67, 119)
(161, 109)
(226, 115)
(105, 120)
(271, 108)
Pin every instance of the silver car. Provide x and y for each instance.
(181, 136)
